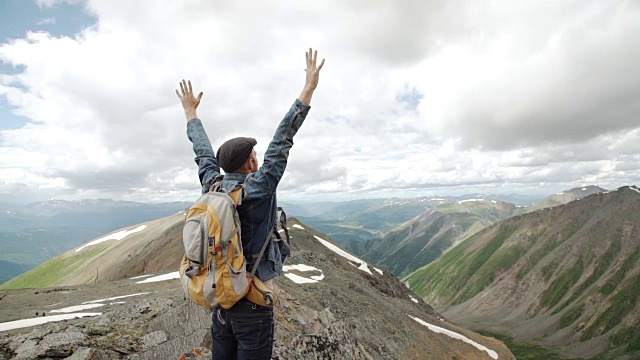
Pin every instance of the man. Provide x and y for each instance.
(246, 330)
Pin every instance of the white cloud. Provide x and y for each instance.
(47, 21)
(415, 96)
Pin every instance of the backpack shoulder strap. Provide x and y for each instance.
(274, 232)
(237, 194)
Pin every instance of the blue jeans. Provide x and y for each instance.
(243, 332)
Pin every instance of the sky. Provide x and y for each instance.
(416, 98)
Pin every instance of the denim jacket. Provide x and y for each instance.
(259, 204)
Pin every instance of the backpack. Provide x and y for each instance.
(213, 270)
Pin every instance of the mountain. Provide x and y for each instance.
(359, 220)
(432, 233)
(521, 200)
(36, 232)
(333, 305)
(364, 219)
(566, 276)
(564, 197)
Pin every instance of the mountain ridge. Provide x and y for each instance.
(562, 275)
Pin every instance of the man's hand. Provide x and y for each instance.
(312, 75)
(189, 101)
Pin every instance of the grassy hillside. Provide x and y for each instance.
(567, 276)
(151, 249)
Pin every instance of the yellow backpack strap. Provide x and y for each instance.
(237, 194)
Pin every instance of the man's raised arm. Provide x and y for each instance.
(275, 158)
(208, 169)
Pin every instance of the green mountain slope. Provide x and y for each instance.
(567, 276)
(429, 235)
(152, 249)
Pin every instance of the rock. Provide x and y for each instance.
(326, 317)
(27, 350)
(106, 320)
(54, 345)
(88, 354)
(39, 333)
(61, 344)
(153, 339)
(15, 342)
(4, 340)
(98, 330)
(142, 307)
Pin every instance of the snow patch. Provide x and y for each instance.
(413, 299)
(363, 265)
(584, 189)
(300, 267)
(169, 276)
(18, 324)
(455, 335)
(300, 279)
(634, 189)
(297, 226)
(115, 236)
(378, 271)
(75, 308)
(469, 200)
(113, 298)
(303, 268)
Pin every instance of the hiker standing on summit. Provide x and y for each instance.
(246, 330)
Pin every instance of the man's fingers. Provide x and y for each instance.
(200, 96)
(315, 57)
(321, 63)
(182, 87)
(177, 93)
(190, 88)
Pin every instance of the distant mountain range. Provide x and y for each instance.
(443, 225)
(359, 220)
(36, 232)
(566, 276)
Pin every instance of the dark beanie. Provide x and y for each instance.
(234, 153)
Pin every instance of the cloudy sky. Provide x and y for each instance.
(416, 97)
